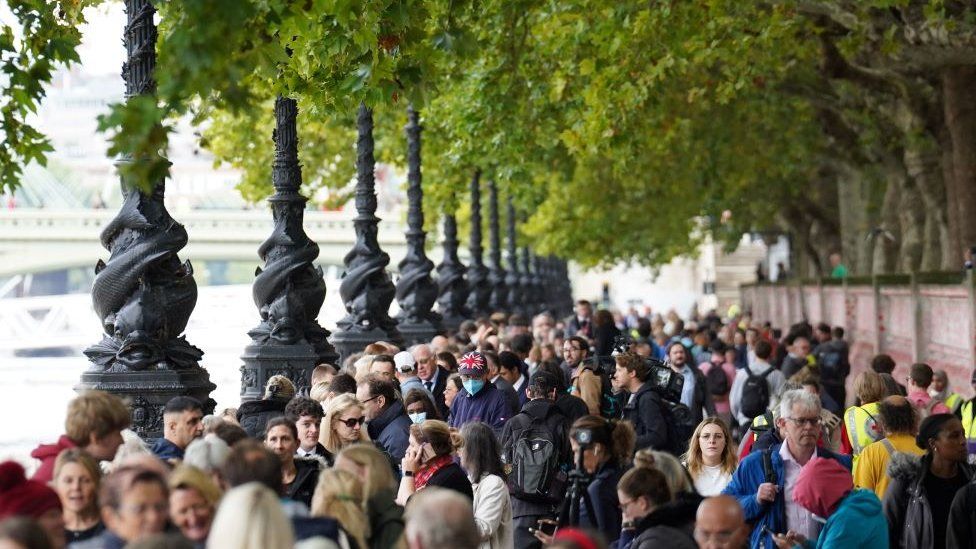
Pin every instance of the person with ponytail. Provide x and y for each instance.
(606, 460)
(429, 461)
(340, 495)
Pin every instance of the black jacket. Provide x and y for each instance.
(306, 478)
(254, 415)
(437, 390)
(510, 395)
(555, 421)
(572, 407)
(672, 525)
(645, 412)
(603, 495)
(961, 531)
(452, 477)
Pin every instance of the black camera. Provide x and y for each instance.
(583, 437)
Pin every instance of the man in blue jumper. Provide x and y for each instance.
(182, 422)
(764, 481)
(480, 400)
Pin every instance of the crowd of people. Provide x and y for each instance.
(600, 430)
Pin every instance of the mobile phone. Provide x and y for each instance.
(547, 527)
(427, 452)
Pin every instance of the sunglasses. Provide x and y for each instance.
(353, 421)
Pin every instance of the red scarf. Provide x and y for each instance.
(424, 473)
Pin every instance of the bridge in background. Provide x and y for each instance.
(41, 240)
(924, 317)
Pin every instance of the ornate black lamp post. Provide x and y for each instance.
(144, 295)
(498, 301)
(289, 290)
(366, 288)
(530, 293)
(451, 280)
(539, 285)
(480, 296)
(516, 293)
(416, 292)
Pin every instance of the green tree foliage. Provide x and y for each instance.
(45, 35)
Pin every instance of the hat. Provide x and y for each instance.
(930, 428)
(404, 362)
(279, 387)
(822, 483)
(22, 497)
(472, 364)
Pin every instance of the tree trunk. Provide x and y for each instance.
(959, 89)
(885, 248)
(953, 258)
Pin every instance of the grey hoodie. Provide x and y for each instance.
(906, 505)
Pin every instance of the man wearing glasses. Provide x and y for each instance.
(764, 481)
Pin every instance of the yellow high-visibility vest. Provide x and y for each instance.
(863, 427)
(967, 420)
(953, 402)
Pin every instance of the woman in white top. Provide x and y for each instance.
(711, 457)
(481, 458)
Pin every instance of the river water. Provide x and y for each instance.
(34, 392)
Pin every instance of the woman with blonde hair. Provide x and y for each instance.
(429, 461)
(340, 495)
(76, 480)
(193, 500)
(342, 424)
(251, 517)
(860, 426)
(712, 456)
(372, 467)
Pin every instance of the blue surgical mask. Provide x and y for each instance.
(418, 418)
(472, 386)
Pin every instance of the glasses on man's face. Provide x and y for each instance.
(353, 421)
(427, 360)
(567, 350)
(369, 399)
(805, 421)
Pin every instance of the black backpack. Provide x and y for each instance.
(755, 394)
(717, 381)
(681, 425)
(536, 475)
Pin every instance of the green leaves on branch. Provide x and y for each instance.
(46, 35)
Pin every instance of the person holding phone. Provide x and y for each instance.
(429, 461)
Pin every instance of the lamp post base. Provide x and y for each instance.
(261, 361)
(148, 391)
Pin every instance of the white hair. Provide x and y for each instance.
(251, 517)
(441, 518)
(132, 445)
(801, 397)
(207, 454)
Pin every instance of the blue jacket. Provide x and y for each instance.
(745, 484)
(166, 450)
(489, 406)
(391, 431)
(857, 522)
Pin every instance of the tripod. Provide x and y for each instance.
(578, 481)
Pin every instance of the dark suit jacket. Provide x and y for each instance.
(511, 397)
(438, 391)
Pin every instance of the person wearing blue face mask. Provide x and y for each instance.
(479, 401)
(419, 407)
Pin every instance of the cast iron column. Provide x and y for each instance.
(289, 290)
(452, 285)
(480, 296)
(366, 288)
(144, 295)
(416, 292)
(530, 294)
(516, 294)
(498, 302)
